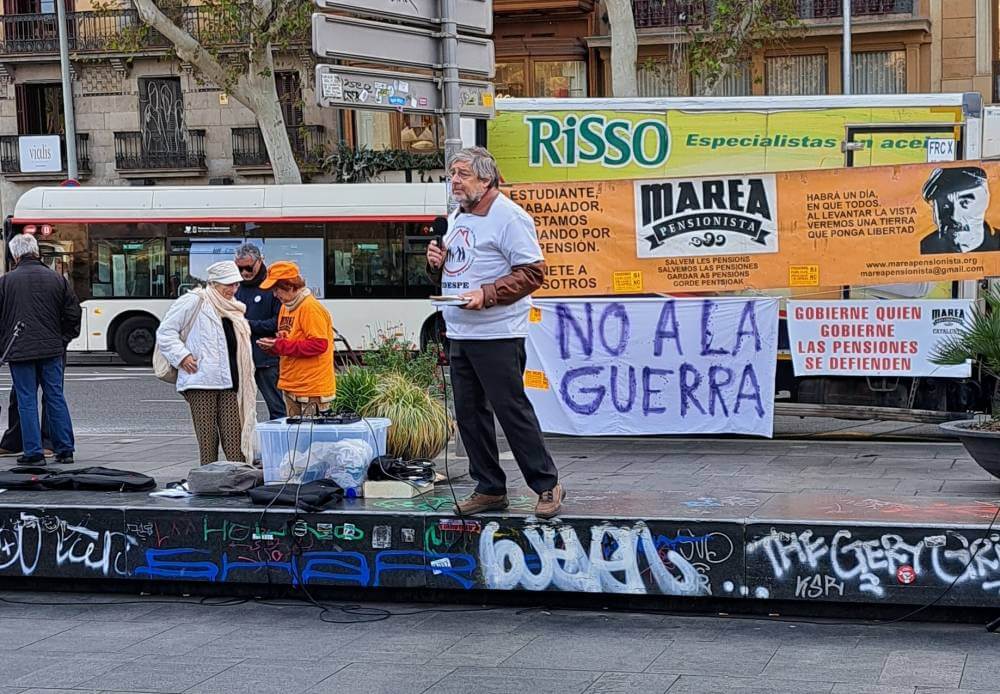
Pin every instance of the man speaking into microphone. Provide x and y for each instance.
(491, 259)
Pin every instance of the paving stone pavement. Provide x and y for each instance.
(91, 644)
(708, 467)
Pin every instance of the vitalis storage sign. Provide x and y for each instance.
(706, 216)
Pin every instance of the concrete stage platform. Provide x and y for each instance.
(746, 520)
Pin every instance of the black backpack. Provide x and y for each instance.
(311, 496)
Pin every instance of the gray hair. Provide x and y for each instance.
(481, 162)
(248, 250)
(22, 245)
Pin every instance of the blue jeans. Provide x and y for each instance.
(27, 376)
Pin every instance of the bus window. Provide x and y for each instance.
(130, 268)
(307, 253)
(365, 259)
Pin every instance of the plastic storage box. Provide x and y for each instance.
(299, 453)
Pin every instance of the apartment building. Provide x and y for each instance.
(144, 118)
(899, 46)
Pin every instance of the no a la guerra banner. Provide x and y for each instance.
(874, 338)
(653, 366)
(859, 227)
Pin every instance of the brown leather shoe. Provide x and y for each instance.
(480, 503)
(550, 502)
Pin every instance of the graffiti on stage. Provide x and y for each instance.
(618, 560)
(821, 563)
(334, 568)
(30, 541)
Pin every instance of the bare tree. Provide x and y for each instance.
(233, 46)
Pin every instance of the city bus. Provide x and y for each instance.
(129, 252)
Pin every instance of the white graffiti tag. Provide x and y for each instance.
(569, 567)
(948, 558)
(102, 551)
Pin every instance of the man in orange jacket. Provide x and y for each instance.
(304, 342)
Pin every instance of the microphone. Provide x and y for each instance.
(440, 228)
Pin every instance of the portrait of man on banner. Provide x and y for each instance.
(960, 200)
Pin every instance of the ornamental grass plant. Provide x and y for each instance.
(405, 386)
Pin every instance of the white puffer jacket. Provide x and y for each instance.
(206, 341)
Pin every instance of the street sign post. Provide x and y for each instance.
(439, 47)
(349, 38)
(475, 16)
(351, 87)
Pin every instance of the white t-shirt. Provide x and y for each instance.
(481, 250)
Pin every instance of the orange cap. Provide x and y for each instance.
(282, 270)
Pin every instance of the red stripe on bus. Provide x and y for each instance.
(183, 220)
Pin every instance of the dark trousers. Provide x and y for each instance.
(487, 377)
(267, 386)
(11, 440)
(27, 377)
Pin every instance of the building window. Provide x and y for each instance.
(664, 75)
(39, 109)
(510, 80)
(289, 87)
(33, 6)
(527, 77)
(738, 81)
(791, 75)
(161, 116)
(878, 72)
(565, 78)
(413, 132)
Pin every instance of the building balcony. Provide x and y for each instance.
(521, 7)
(10, 159)
(106, 31)
(658, 14)
(147, 155)
(308, 144)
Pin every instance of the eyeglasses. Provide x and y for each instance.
(247, 268)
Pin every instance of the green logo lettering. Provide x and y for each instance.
(592, 138)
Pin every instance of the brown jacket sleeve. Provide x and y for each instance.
(522, 281)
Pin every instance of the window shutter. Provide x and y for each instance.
(21, 99)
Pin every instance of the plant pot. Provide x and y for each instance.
(983, 446)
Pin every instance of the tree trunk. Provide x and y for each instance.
(275, 133)
(623, 48)
(256, 89)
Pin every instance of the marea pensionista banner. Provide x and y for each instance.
(829, 228)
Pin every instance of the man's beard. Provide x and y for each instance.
(469, 201)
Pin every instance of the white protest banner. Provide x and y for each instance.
(874, 338)
(653, 366)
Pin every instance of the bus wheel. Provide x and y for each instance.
(135, 339)
(433, 331)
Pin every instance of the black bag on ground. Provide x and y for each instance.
(317, 495)
(99, 479)
(23, 478)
